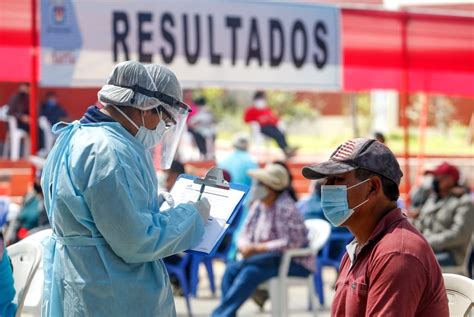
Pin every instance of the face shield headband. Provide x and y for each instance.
(167, 99)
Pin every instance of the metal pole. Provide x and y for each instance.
(355, 124)
(34, 80)
(403, 105)
(422, 125)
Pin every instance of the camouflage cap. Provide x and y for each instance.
(363, 153)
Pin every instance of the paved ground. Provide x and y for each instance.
(203, 305)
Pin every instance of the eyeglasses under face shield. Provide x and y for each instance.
(174, 113)
(166, 116)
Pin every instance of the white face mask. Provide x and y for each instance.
(259, 192)
(260, 103)
(427, 181)
(149, 138)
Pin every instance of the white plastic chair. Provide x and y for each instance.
(460, 291)
(45, 127)
(17, 137)
(25, 257)
(4, 118)
(460, 269)
(318, 235)
(32, 304)
(260, 142)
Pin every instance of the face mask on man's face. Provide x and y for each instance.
(427, 182)
(51, 102)
(149, 138)
(335, 204)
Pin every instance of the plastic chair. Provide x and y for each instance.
(25, 257)
(324, 260)
(318, 235)
(460, 291)
(196, 260)
(49, 139)
(179, 271)
(4, 208)
(221, 254)
(32, 304)
(259, 140)
(16, 137)
(460, 269)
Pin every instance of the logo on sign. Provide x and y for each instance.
(58, 12)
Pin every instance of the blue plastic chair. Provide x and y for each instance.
(179, 271)
(325, 260)
(4, 205)
(196, 260)
(221, 254)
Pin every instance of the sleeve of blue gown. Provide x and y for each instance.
(119, 206)
(7, 292)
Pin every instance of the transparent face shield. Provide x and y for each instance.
(174, 114)
(175, 120)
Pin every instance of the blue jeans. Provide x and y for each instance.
(273, 132)
(242, 278)
(445, 258)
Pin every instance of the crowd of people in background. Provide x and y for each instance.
(18, 107)
(272, 220)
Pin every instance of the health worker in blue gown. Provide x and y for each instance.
(101, 195)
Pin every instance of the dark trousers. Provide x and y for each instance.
(26, 127)
(242, 278)
(445, 258)
(200, 141)
(273, 132)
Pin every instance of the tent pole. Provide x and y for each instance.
(34, 80)
(422, 125)
(403, 110)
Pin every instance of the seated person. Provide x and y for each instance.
(52, 110)
(202, 126)
(267, 120)
(7, 291)
(32, 215)
(446, 219)
(273, 225)
(239, 161)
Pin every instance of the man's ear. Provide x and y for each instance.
(375, 186)
(147, 113)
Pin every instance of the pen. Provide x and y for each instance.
(201, 191)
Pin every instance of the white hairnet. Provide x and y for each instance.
(152, 77)
(166, 82)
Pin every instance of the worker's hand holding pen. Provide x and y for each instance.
(204, 208)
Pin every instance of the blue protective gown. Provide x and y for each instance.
(104, 258)
(7, 290)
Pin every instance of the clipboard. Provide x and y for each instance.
(215, 189)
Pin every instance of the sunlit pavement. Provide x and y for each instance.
(205, 302)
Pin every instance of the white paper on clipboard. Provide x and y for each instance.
(222, 201)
